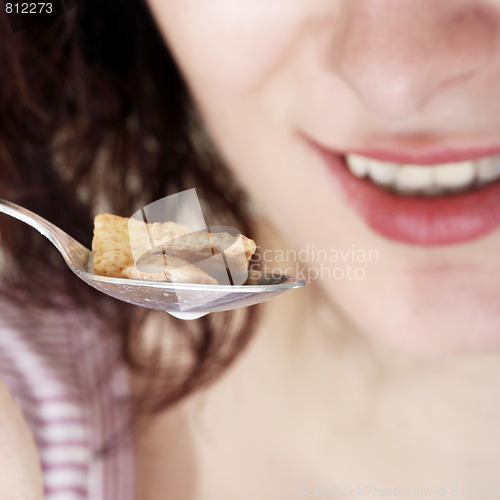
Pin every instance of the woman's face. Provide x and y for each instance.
(291, 89)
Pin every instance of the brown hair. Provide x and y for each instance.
(95, 116)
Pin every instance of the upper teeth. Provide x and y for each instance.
(429, 180)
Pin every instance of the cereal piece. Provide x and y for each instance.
(120, 243)
(162, 267)
(202, 241)
(111, 246)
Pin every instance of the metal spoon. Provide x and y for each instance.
(182, 300)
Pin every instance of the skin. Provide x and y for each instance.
(389, 381)
(20, 473)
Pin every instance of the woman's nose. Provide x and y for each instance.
(397, 55)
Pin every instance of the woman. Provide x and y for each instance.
(380, 382)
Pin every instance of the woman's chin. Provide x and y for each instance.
(431, 315)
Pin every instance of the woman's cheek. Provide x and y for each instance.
(227, 45)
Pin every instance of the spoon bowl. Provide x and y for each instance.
(182, 300)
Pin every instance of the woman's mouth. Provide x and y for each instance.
(421, 204)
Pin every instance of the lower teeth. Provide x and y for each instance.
(431, 192)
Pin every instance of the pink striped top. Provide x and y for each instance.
(60, 374)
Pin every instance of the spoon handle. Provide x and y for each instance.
(73, 252)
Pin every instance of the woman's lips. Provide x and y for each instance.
(448, 219)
